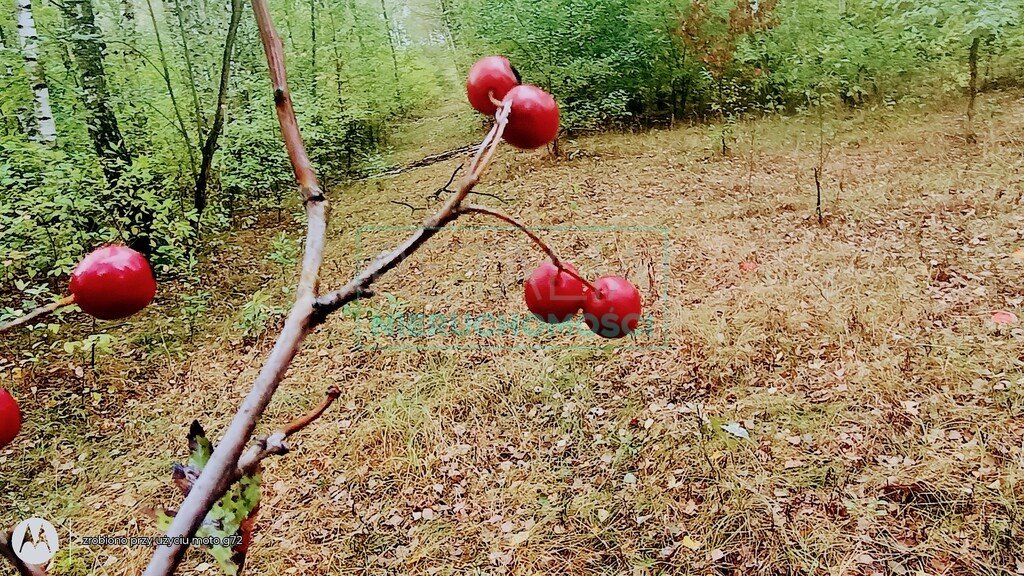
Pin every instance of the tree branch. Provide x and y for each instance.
(359, 286)
(274, 50)
(38, 313)
(223, 467)
(220, 471)
(274, 445)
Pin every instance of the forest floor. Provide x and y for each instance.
(811, 397)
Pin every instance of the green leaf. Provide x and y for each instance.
(199, 446)
(163, 520)
(225, 557)
(231, 519)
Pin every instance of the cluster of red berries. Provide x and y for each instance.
(533, 113)
(611, 305)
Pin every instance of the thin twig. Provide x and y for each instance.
(454, 174)
(422, 162)
(477, 209)
(817, 185)
(447, 187)
(218, 474)
(274, 445)
(299, 424)
(38, 313)
(489, 195)
(412, 209)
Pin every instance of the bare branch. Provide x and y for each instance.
(220, 471)
(454, 174)
(447, 187)
(422, 162)
(274, 445)
(359, 286)
(38, 313)
(308, 311)
(274, 50)
(477, 209)
(489, 195)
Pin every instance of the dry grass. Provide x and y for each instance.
(882, 404)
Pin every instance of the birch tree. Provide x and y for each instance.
(45, 129)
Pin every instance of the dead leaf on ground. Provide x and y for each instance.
(1002, 317)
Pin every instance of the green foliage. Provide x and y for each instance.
(257, 314)
(614, 61)
(284, 250)
(91, 345)
(69, 561)
(56, 204)
(357, 66)
(603, 60)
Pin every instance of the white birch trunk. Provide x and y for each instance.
(29, 40)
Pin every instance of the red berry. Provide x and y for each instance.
(533, 120)
(613, 310)
(554, 295)
(10, 418)
(493, 75)
(113, 282)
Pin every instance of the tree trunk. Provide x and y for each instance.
(189, 70)
(210, 146)
(126, 20)
(14, 122)
(354, 23)
(126, 23)
(312, 40)
(45, 130)
(170, 88)
(972, 62)
(337, 60)
(449, 33)
(87, 47)
(391, 44)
